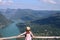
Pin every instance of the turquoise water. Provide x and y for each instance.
(10, 30)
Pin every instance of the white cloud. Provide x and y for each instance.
(6, 1)
(10, 1)
(0, 1)
(50, 1)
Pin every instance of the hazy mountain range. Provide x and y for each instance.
(26, 14)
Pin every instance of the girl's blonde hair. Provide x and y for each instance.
(28, 28)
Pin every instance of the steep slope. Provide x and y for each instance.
(4, 21)
(53, 20)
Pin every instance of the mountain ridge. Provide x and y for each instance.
(27, 14)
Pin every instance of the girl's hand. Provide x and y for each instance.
(33, 36)
(18, 36)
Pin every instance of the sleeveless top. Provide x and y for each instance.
(28, 35)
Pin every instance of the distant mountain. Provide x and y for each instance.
(26, 14)
(7, 12)
(4, 21)
(54, 20)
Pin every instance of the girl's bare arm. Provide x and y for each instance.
(21, 34)
(32, 34)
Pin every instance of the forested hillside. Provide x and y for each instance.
(49, 26)
(3, 21)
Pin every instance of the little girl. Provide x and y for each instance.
(28, 34)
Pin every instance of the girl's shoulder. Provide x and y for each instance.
(30, 32)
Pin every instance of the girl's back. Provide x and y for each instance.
(28, 35)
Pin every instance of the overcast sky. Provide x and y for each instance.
(31, 4)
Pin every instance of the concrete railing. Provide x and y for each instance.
(34, 37)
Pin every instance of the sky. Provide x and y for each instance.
(30, 4)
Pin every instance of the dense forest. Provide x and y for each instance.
(44, 27)
(41, 25)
